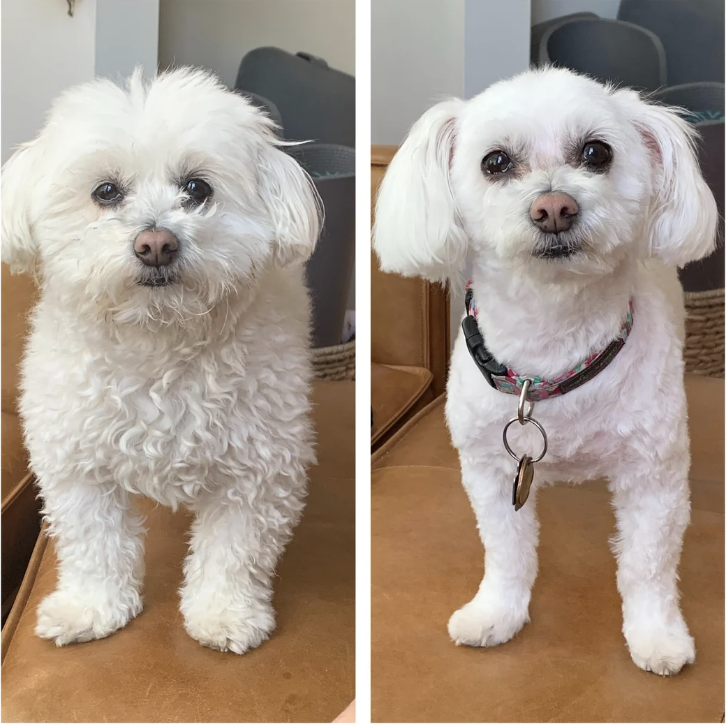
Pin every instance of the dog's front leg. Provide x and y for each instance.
(227, 592)
(100, 550)
(653, 510)
(501, 606)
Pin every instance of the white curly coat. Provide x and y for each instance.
(195, 394)
(650, 212)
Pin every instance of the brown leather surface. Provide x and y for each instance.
(18, 295)
(439, 336)
(399, 310)
(438, 451)
(410, 317)
(14, 456)
(394, 392)
(571, 662)
(153, 671)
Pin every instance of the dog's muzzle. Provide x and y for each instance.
(554, 214)
(157, 249)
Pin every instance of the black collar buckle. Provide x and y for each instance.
(477, 349)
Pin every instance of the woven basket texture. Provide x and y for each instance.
(335, 363)
(704, 351)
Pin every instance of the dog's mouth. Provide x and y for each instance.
(557, 246)
(157, 279)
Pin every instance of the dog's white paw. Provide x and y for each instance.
(482, 624)
(664, 651)
(235, 629)
(67, 617)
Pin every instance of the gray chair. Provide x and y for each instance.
(538, 30)
(705, 101)
(316, 102)
(691, 31)
(608, 50)
(329, 270)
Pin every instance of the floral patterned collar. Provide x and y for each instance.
(505, 380)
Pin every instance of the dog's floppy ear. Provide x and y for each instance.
(683, 213)
(417, 231)
(19, 248)
(292, 203)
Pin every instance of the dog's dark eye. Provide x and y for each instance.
(495, 163)
(199, 191)
(596, 155)
(107, 194)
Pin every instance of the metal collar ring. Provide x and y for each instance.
(537, 425)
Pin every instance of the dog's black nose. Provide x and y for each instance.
(156, 247)
(553, 213)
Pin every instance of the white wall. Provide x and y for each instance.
(417, 58)
(548, 9)
(127, 35)
(216, 34)
(43, 52)
(424, 50)
(496, 42)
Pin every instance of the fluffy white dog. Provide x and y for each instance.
(572, 200)
(169, 350)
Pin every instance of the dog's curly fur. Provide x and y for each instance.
(195, 393)
(648, 212)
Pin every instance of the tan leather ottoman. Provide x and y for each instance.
(409, 336)
(153, 671)
(397, 391)
(571, 662)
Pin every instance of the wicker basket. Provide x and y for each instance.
(335, 363)
(704, 352)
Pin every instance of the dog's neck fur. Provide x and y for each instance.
(164, 342)
(545, 328)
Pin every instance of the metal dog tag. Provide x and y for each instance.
(522, 482)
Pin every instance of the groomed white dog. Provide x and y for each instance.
(169, 350)
(572, 200)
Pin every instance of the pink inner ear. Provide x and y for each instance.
(448, 129)
(652, 145)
